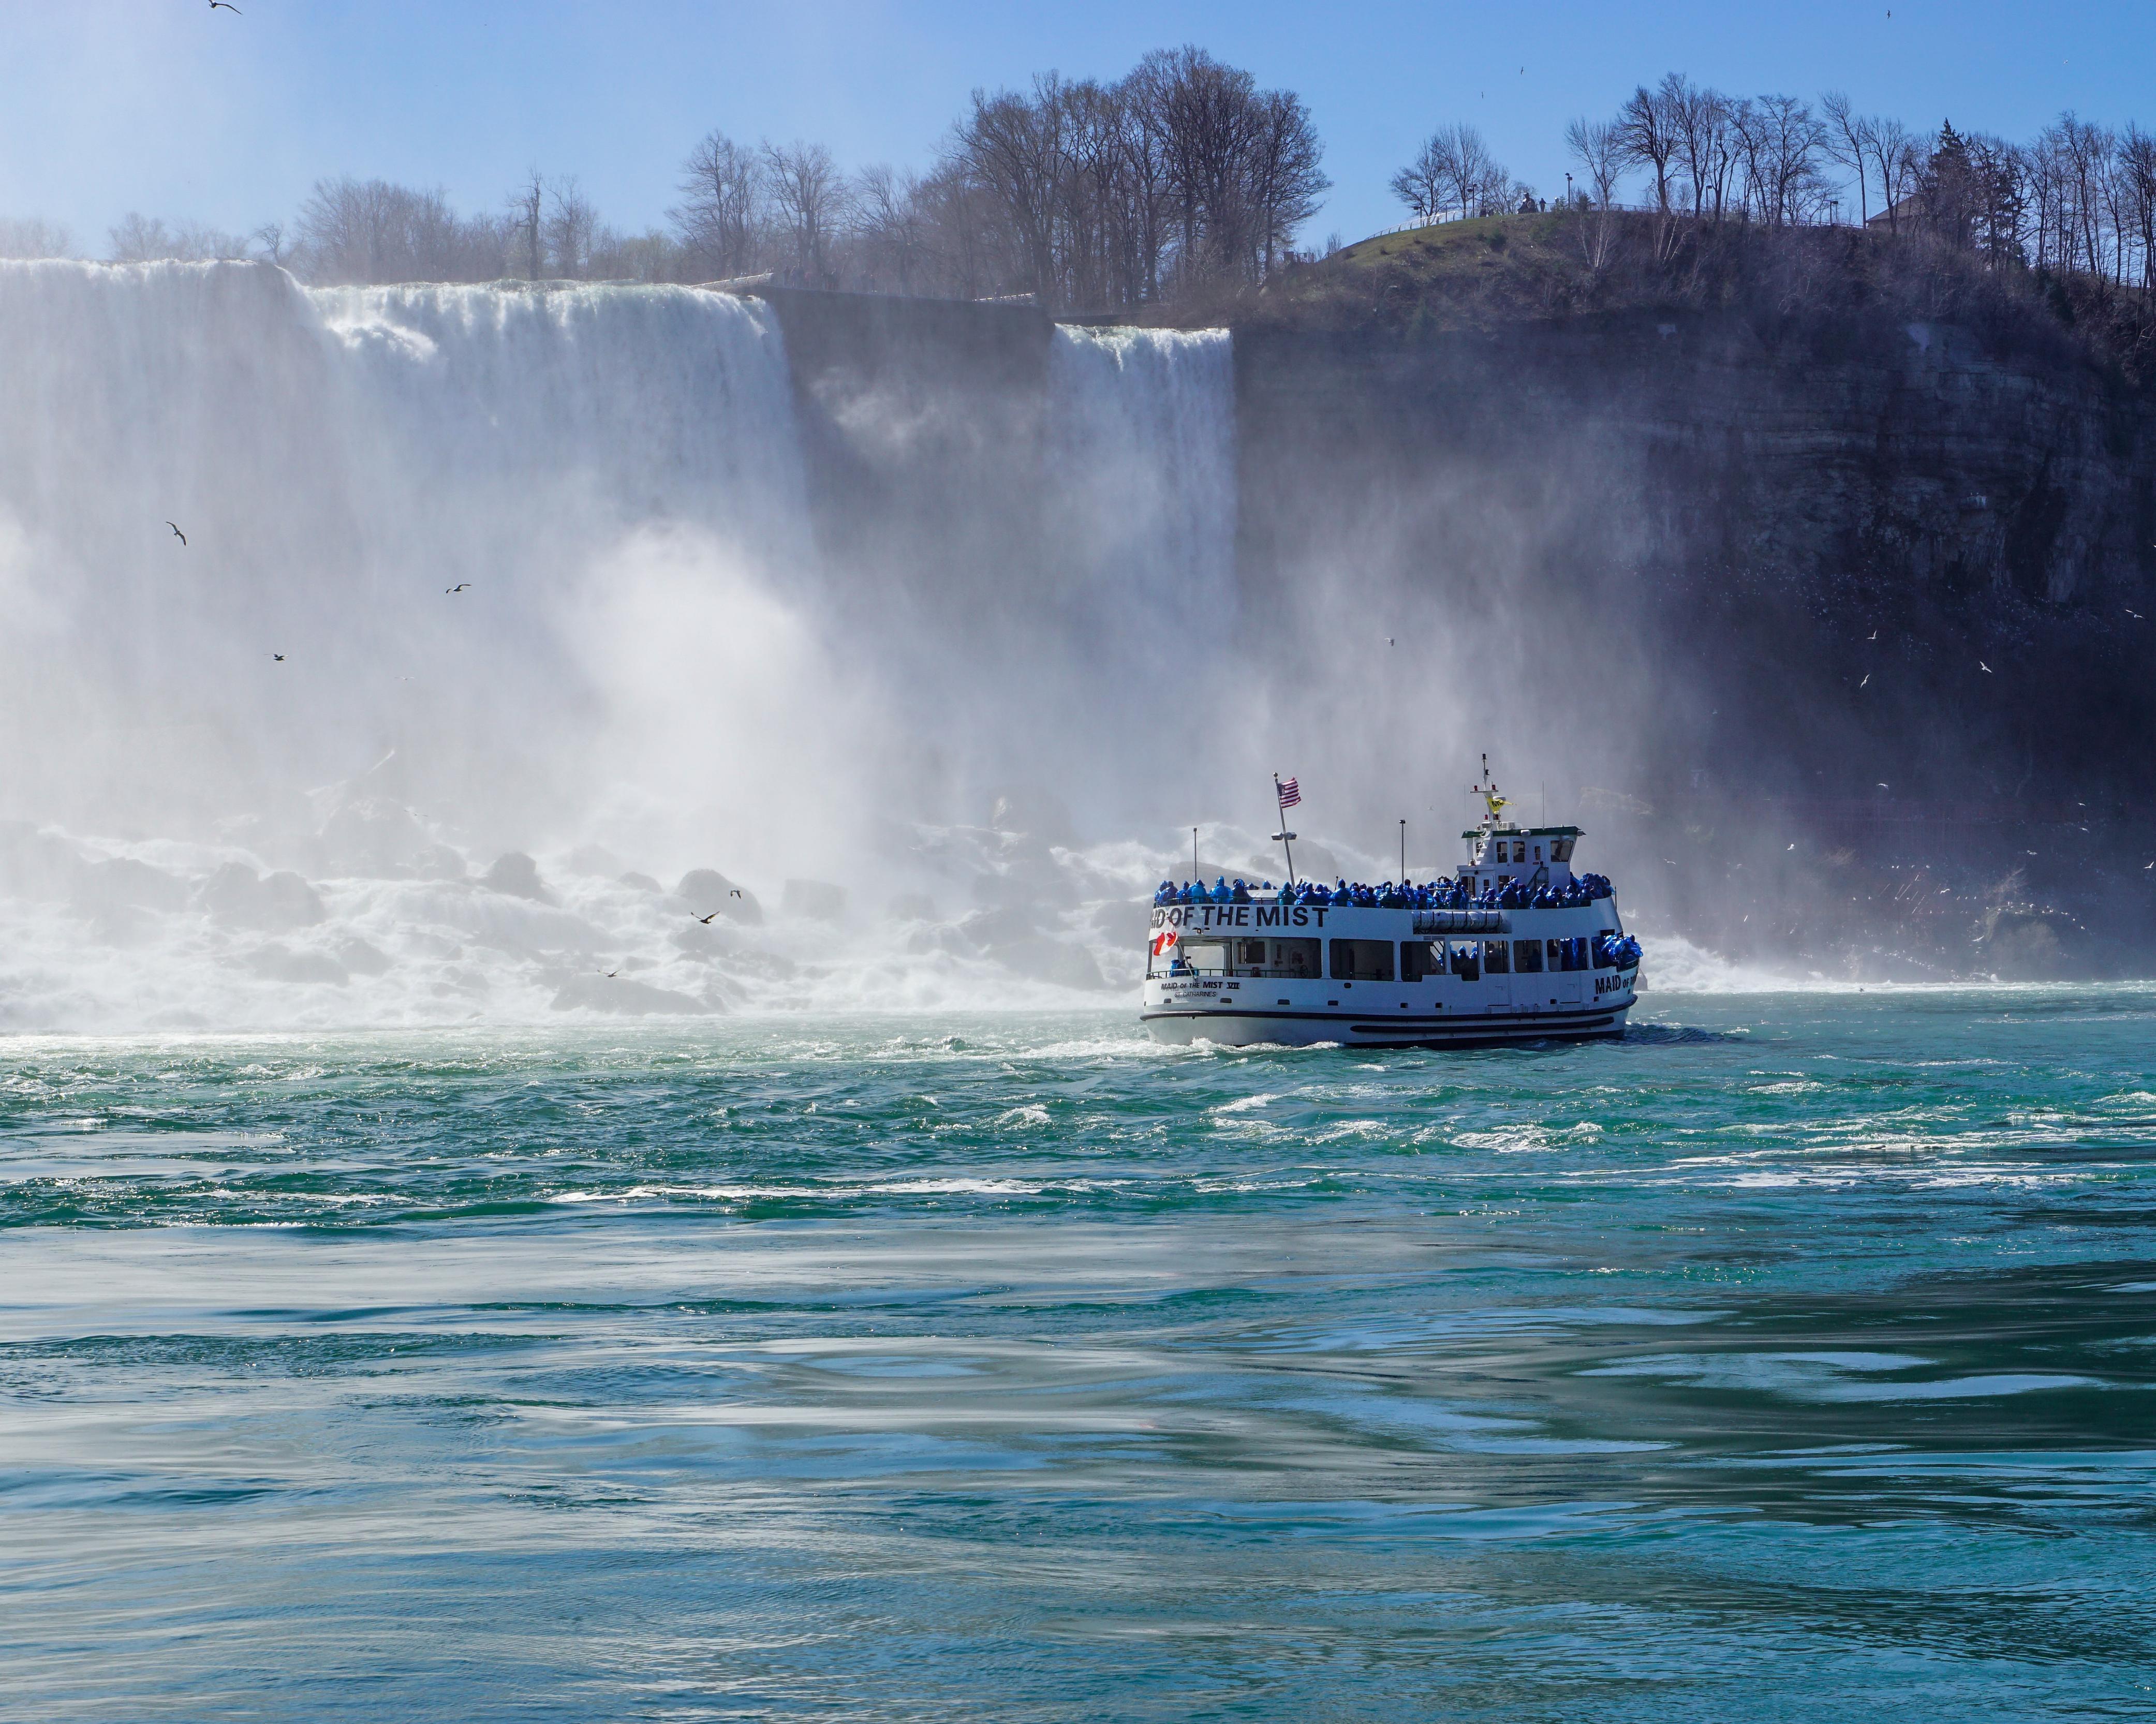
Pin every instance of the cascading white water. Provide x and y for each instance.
(649, 667)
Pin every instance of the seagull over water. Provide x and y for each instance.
(279, 657)
(706, 920)
(1984, 667)
(177, 533)
(228, 5)
(459, 587)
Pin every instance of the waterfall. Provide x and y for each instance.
(651, 665)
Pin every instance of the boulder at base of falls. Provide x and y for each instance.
(34, 863)
(236, 897)
(379, 840)
(1010, 938)
(619, 995)
(516, 875)
(596, 859)
(816, 899)
(120, 884)
(706, 889)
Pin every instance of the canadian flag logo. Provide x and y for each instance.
(1163, 938)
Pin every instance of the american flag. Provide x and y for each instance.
(1289, 795)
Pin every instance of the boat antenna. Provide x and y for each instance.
(1193, 852)
(1287, 793)
(1404, 849)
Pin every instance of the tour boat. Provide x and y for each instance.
(1515, 947)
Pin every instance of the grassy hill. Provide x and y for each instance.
(1506, 269)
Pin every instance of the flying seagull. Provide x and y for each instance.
(2135, 614)
(735, 893)
(1984, 667)
(1867, 677)
(1874, 635)
(279, 657)
(459, 587)
(177, 534)
(1882, 787)
(228, 5)
(706, 920)
(609, 974)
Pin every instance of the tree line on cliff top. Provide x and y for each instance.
(1185, 179)
(2077, 198)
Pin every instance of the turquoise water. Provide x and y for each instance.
(1788, 1360)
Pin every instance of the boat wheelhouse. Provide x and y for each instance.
(1514, 947)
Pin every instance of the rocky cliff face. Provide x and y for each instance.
(1871, 588)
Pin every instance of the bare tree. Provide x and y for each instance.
(809, 197)
(1787, 158)
(1846, 139)
(720, 218)
(32, 236)
(889, 226)
(139, 239)
(1420, 185)
(1457, 169)
(1649, 132)
(1284, 176)
(1600, 152)
(527, 215)
(1700, 120)
(1897, 159)
(1013, 149)
(570, 226)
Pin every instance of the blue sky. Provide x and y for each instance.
(170, 108)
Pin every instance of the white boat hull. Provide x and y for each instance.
(1240, 1028)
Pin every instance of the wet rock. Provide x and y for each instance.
(516, 875)
(597, 860)
(816, 899)
(706, 889)
(363, 958)
(622, 997)
(374, 838)
(37, 865)
(1011, 937)
(120, 884)
(236, 897)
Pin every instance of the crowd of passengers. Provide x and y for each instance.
(1440, 894)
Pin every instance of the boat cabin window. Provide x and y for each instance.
(1421, 959)
(1220, 955)
(1362, 960)
(1495, 958)
(1201, 957)
(1561, 849)
(1292, 958)
(1568, 954)
(1602, 961)
(1465, 958)
(1527, 954)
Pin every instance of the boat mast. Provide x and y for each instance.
(1284, 838)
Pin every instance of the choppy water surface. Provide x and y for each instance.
(1788, 1360)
